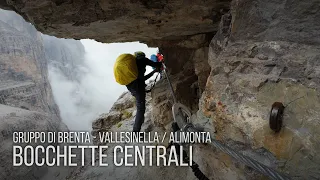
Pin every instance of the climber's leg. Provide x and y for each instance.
(138, 91)
(141, 107)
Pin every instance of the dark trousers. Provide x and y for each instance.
(137, 89)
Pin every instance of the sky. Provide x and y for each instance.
(81, 103)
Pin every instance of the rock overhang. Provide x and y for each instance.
(121, 21)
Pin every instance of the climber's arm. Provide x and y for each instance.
(146, 77)
(156, 65)
(153, 64)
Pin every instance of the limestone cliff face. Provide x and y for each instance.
(24, 75)
(26, 99)
(268, 54)
(261, 52)
(14, 119)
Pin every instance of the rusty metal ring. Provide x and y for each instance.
(276, 116)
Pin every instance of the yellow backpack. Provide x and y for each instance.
(125, 69)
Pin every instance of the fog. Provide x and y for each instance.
(95, 91)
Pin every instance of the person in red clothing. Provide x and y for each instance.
(159, 57)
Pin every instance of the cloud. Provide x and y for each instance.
(81, 102)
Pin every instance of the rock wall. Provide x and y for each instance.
(26, 99)
(24, 79)
(16, 119)
(266, 54)
(25, 56)
(188, 71)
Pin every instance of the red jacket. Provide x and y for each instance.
(160, 57)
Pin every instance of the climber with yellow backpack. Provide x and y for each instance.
(129, 70)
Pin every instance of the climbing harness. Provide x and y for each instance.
(276, 114)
